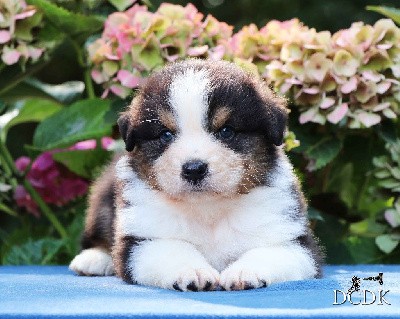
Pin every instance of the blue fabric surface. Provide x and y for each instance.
(55, 292)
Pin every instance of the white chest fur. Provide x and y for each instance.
(222, 229)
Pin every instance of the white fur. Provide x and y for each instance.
(221, 229)
(267, 265)
(166, 262)
(188, 97)
(93, 262)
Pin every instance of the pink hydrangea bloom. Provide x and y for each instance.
(136, 41)
(54, 183)
(18, 44)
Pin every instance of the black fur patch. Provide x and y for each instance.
(127, 243)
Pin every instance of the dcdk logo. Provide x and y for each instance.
(363, 297)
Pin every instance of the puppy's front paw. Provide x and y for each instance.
(182, 278)
(93, 262)
(196, 279)
(240, 277)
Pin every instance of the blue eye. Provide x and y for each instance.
(166, 137)
(226, 132)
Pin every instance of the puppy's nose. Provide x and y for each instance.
(194, 171)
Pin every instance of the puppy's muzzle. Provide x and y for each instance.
(194, 171)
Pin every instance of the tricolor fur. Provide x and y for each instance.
(205, 195)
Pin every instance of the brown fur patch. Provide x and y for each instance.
(220, 117)
(252, 176)
(167, 118)
(144, 168)
(100, 214)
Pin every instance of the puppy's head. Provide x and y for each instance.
(203, 127)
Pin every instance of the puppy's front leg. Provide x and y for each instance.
(171, 264)
(260, 267)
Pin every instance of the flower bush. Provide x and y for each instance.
(17, 23)
(55, 184)
(137, 41)
(348, 78)
(343, 87)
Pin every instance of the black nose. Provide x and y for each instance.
(194, 171)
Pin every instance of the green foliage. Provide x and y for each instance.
(390, 12)
(73, 24)
(84, 163)
(323, 152)
(82, 120)
(33, 252)
(31, 110)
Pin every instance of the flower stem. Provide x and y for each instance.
(45, 209)
(89, 84)
(9, 163)
(86, 70)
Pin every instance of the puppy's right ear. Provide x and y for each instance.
(126, 130)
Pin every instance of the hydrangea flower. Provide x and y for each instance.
(136, 41)
(54, 183)
(349, 78)
(17, 44)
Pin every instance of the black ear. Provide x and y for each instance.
(276, 122)
(126, 131)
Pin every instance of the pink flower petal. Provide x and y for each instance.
(349, 86)
(217, 53)
(35, 53)
(43, 162)
(5, 36)
(22, 163)
(311, 90)
(308, 115)
(382, 87)
(391, 218)
(10, 56)
(98, 77)
(327, 103)
(106, 142)
(128, 79)
(25, 14)
(381, 107)
(368, 119)
(372, 76)
(85, 145)
(338, 113)
(196, 51)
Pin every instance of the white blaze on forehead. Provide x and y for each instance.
(188, 97)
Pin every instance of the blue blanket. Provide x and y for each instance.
(55, 292)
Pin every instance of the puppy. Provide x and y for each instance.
(205, 195)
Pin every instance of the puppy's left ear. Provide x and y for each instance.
(126, 130)
(275, 120)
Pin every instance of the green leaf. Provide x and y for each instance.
(362, 250)
(389, 12)
(323, 152)
(386, 243)
(66, 92)
(121, 5)
(367, 227)
(389, 183)
(83, 162)
(33, 252)
(33, 110)
(73, 24)
(81, 121)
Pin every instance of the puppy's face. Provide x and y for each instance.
(201, 127)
